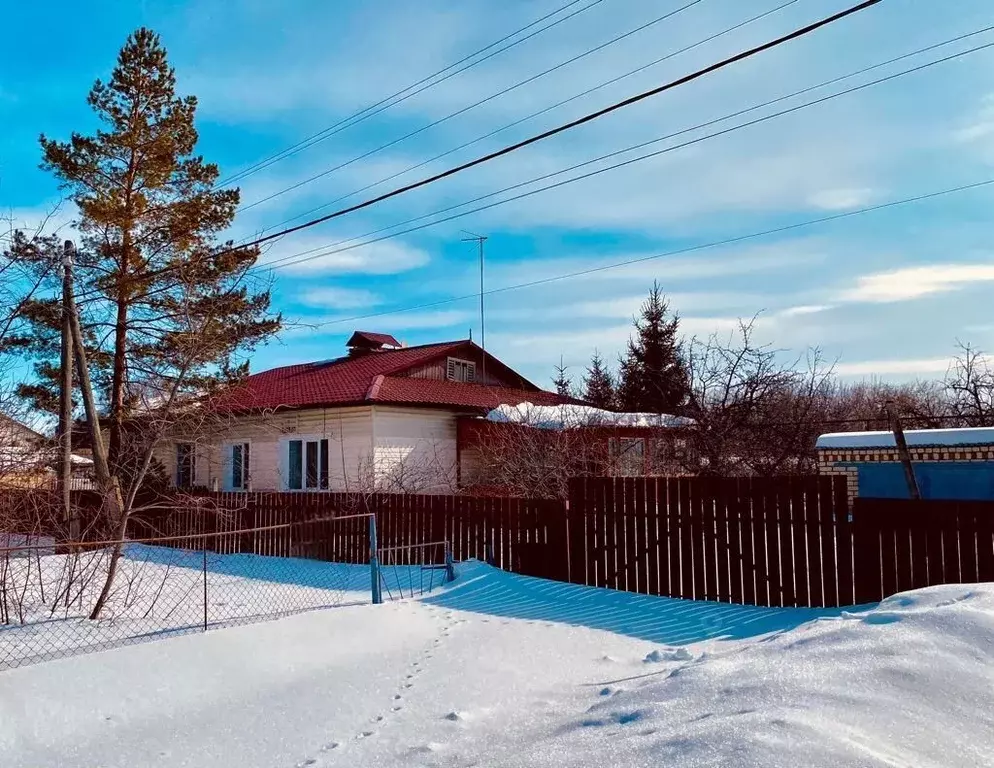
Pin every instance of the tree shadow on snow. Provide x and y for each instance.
(483, 589)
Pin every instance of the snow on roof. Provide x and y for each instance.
(12, 456)
(914, 437)
(571, 416)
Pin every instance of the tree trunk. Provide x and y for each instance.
(117, 384)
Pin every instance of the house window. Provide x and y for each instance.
(186, 465)
(307, 462)
(236, 465)
(627, 456)
(460, 370)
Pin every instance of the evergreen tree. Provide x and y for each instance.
(562, 381)
(652, 375)
(598, 385)
(161, 299)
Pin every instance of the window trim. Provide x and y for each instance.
(451, 363)
(192, 455)
(228, 465)
(322, 468)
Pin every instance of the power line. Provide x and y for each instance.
(410, 91)
(533, 115)
(463, 110)
(293, 259)
(590, 117)
(677, 252)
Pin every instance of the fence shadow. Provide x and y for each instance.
(483, 589)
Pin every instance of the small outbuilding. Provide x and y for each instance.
(948, 463)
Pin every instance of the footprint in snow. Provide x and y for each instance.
(397, 697)
(330, 746)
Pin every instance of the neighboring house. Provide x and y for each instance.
(383, 417)
(948, 463)
(28, 459)
(611, 444)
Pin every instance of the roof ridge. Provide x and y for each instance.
(345, 358)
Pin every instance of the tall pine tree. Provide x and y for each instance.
(652, 375)
(598, 385)
(152, 276)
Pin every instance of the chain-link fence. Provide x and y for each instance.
(174, 585)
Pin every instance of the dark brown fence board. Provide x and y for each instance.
(686, 529)
(637, 549)
(985, 545)
(800, 494)
(785, 530)
(652, 569)
(675, 537)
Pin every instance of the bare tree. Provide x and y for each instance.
(752, 412)
(969, 386)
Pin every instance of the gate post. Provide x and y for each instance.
(374, 563)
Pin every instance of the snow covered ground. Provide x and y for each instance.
(159, 591)
(504, 670)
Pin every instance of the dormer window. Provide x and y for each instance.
(460, 370)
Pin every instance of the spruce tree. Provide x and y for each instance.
(598, 385)
(562, 381)
(149, 266)
(652, 375)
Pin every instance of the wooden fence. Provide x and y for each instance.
(514, 534)
(786, 542)
(753, 541)
(902, 544)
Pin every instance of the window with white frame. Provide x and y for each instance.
(186, 465)
(460, 370)
(306, 461)
(236, 466)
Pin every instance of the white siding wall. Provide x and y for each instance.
(414, 449)
(383, 447)
(348, 430)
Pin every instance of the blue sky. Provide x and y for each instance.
(886, 294)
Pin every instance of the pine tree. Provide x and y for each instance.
(149, 268)
(652, 375)
(562, 381)
(598, 384)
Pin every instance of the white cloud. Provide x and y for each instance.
(915, 282)
(841, 199)
(804, 309)
(981, 124)
(384, 258)
(332, 297)
(893, 367)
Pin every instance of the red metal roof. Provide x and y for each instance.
(372, 378)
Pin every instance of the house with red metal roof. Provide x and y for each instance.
(383, 416)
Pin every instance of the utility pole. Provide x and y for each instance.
(480, 240)
(108, 486)
(902, 449)
(65, 393)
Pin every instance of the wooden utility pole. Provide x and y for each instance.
(65, 394)
(109, 489)
(902, 449)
